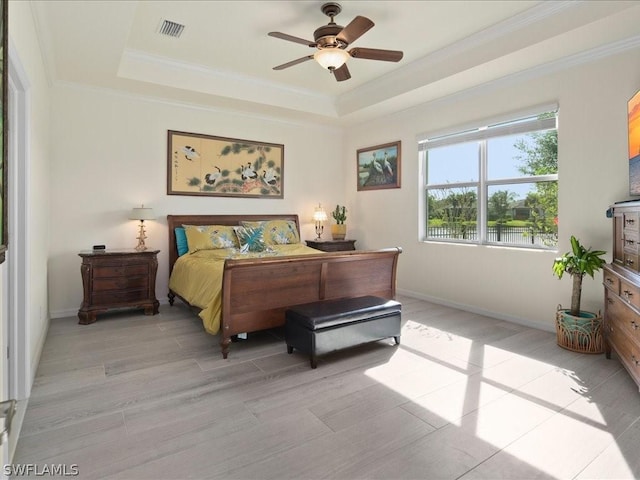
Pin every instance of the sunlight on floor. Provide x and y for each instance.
(533, 409)
(559, 443)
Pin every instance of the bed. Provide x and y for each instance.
(252, 294)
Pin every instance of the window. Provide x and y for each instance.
(494, 185)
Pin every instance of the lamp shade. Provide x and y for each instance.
(319, 215)
(331, 58)
(142, 213)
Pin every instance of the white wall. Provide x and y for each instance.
(110, 154)
(514, 284)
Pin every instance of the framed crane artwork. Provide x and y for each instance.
(224, 167)
(379, 166)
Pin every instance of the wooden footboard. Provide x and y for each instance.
(256, 292)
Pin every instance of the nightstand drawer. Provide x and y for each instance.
(115, 297)
(120, 270)
(119, 283)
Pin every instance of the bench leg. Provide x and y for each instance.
(397, 339)
(314, 361)
(289, 349)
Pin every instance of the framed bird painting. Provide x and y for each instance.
(379, 166)
(225, 167)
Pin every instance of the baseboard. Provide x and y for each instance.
(71, 312)
(35, 361)
(480, 311)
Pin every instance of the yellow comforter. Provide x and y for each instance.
(197, 277)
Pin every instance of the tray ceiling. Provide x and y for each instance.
(224, 58)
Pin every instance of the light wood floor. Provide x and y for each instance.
(463, 396)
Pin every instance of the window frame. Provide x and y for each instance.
(518, 124)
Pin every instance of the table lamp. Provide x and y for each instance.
(319, 216)
(142, 213)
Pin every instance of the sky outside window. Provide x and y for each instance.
(459, 162)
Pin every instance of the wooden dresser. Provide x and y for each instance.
(621, 280)
(118, 279)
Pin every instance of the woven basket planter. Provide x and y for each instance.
(581, 334)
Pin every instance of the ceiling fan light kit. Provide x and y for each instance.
(332, 40)
(331, 58)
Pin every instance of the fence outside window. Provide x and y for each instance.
(499, 233)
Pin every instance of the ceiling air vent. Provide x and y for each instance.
(170, 29)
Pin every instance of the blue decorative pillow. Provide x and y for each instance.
(250, 239)
(181, 241)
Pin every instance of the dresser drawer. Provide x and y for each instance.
(630, 293)
(119, 283)
(619, 314)
(631, 242)
(611, 282)
(103, 271)
(631, 222)
(628, 352)
(631, 262)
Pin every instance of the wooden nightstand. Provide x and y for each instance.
(118, 279)
(331, 245)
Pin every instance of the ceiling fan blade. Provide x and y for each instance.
(342, 73)
(293, 62)
(291, 38)
(376, 54)
(355, 29)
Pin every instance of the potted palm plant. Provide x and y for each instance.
(579, 330)
(339, 229)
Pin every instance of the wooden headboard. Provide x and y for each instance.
(179, 220)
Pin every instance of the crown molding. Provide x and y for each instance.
(536, 14)
(538, 71)
(548, 68)
(141, 66)
(410, 79)
(328, 124)
(403, 79)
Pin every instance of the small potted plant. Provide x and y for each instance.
(339, 229)
(577, 329)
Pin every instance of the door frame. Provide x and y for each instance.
(18, 251)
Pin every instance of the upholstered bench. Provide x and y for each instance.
(325, 326)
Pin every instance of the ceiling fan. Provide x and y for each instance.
(332, 41)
